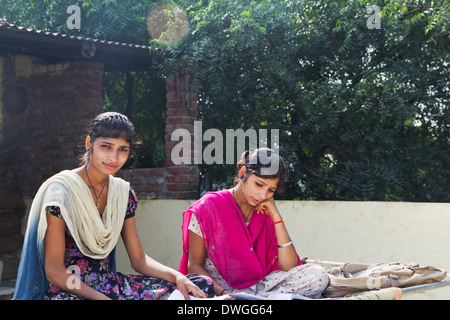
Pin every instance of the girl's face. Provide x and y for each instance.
(108, 155)
(257, 189)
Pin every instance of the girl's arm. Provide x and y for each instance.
(287, 256)
(145, 265)
(55, 270)
(196, 261)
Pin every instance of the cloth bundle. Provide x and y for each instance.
(354, 277)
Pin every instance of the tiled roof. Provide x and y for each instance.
(59, 46)
(14, 28)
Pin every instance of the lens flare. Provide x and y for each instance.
(167, 23)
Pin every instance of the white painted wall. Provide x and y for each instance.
(328, 230)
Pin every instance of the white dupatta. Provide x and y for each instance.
(95, 235)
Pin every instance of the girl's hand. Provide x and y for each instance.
(187, 287)
(269, 207)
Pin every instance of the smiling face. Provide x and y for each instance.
(108, 155)
(256, 189)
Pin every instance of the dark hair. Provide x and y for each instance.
(111, 125)
(264, 163)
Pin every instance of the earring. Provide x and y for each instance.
(242, 177)
(87, 149)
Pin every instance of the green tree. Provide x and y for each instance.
(363, 113)
(101, 19)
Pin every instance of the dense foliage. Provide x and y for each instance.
(362, 111)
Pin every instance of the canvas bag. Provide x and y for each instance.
(355, 277)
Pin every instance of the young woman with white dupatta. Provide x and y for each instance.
(74, 224)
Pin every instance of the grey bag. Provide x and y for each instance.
(355, 277)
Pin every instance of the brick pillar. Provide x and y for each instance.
(173, 181)
(182, 110)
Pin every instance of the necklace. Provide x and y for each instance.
(95, 194)
(246, 218)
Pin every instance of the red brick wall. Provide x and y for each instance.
(51, 131)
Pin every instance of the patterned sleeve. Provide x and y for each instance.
(54, 211)
(132, 204)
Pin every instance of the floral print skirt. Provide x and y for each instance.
(119, 286)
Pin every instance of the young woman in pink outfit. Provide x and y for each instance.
(237, 236)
